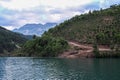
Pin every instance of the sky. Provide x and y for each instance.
(16, 13)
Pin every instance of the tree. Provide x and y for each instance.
(45, 46)
(96, 50)
(34, 36)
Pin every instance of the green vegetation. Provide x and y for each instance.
(96, 50)
(45, 46)
(10, 40)
(102, 27)
(98, 28)
(101, 24)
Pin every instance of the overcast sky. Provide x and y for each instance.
(16, 13)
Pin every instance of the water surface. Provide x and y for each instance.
(18, 68)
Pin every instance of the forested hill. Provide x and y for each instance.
(102, 26)
(10, 40)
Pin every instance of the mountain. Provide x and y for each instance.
(34, 29)
(101, 26)
(95, 34)
(10, 40)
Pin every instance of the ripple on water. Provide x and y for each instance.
(19, 68)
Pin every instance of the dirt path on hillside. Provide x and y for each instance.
(85, 50)
(89, 47)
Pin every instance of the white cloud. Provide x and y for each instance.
(39, 11)
(20, 4)
(43, 11)
(64, 3)
(28, 4)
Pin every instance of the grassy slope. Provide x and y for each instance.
(84, 28)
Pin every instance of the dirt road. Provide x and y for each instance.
(86, 50)
(88, 47)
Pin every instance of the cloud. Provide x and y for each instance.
(19, 4)
(64, 3)
(107, 3)
(16, 13)
(27, 4)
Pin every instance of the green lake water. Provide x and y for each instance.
(19, 68)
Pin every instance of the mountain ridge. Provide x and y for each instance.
(35, 29)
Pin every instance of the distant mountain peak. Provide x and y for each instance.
(35, 29)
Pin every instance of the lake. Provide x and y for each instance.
(24, 68)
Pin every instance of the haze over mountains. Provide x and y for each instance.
(34, 29)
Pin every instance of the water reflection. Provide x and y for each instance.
(2, 68)
(52, 68)
(106, 69)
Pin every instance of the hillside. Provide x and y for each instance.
(10, 40)
(101, 26)
(94, 34)
(34, 29)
